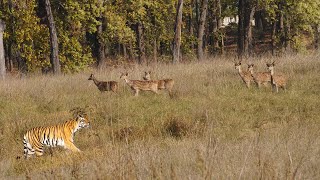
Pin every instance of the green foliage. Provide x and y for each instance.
(300, 16)
(30, 38)
(73, 21)
(76, 22)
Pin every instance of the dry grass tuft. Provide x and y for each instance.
(176, 128)
(125, 133)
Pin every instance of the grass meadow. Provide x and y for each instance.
(211, 127)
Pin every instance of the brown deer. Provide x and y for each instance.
(277, 80)
(105, 85)
(245, 75)
(140, 85)
(162, 83)
(259, 77)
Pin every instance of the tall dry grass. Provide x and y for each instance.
(212, 127)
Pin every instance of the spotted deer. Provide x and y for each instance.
(140, 85)
(245, 75)
(162, 83)
(259, 77)
(105, 85)
(277, 80)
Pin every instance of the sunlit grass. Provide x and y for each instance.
(211, 127)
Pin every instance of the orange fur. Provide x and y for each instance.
(56, 135)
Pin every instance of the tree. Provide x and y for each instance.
(101, 57)
(177, 33)
(246, 9)
(54, 56)
(2, 59)
(201, 28)
(141, 43)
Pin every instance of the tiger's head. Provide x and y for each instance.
(83, 120)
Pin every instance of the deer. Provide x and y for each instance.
(105, 85)
(259, 77)
(162, 83)
(277, 80)
(140, 85)
(245, 75)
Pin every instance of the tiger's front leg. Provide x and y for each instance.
(72, 147)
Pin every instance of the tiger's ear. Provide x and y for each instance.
(79, 116)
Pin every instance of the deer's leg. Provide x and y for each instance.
(259, 84)
(136, 92)
(248, 84)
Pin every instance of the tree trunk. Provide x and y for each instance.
(219, 24)
(190, 23)
(316, 36)
(124, 51)
(201, 29)
(2, 58)
(101, 54)
(241, 8)
(273, 38)
(54, 56)
(101, 48)
(246, 10)
(287, 35)
(155, 50)
(141, 45)
(248, 46)
(177, 33)
(10, 40)
(259, 20)
(131, 51)
(281, 30)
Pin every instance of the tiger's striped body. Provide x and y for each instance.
(58, 135)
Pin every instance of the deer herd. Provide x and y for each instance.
(147, 84)
(136, 85)
(276, 80)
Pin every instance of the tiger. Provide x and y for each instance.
(52, 136)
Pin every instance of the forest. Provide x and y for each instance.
(66, 36)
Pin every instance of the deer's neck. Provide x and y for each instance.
(271, 75)
(96, 82)
(129, 82)
(240, 72)
(272, 72)
(251, 72)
